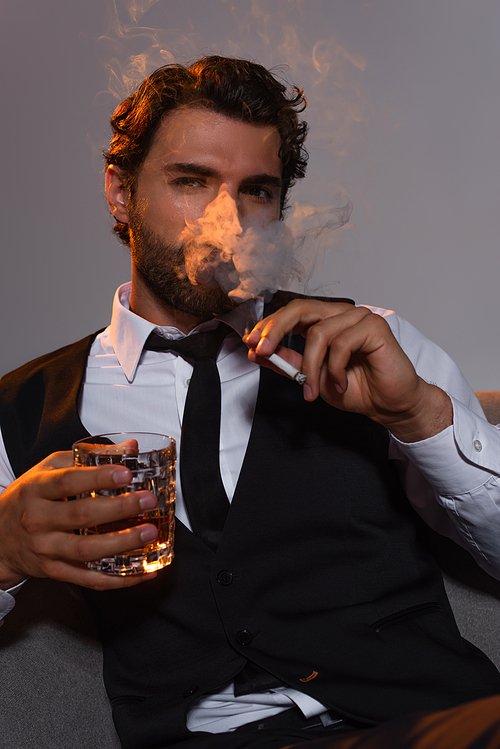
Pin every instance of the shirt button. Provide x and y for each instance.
(225, 578)
(188, 381)
(244, 637)
(191, 691)
(477, 446)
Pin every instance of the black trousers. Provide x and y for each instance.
(474, 725)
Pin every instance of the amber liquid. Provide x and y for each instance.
(154, 555)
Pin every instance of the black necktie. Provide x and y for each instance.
(204, 495)
(202, 488)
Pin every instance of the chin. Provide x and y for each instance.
(198, 301)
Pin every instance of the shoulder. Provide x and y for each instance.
(56, 361)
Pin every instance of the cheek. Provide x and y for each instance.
(264, 214)
(166, 216)
(177, 211)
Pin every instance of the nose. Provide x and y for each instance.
(231, 195)
(227, 205)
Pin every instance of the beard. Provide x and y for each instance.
(161, 266)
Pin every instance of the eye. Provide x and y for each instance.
(188, 182)
(262, 194)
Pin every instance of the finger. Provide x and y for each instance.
(71, 547)
(293, 357)
(296, 317)
(327, 343)
(366, 346)
(69, 482)
(57, 460)
(82, 575)
(327, 346)
(87, 512)
(128, 447)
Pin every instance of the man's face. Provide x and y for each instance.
(193, 155)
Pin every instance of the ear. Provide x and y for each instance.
(116, 193)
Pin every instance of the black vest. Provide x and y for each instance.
(322, 575)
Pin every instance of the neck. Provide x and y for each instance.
(146, 305)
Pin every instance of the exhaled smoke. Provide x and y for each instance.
(251, 259)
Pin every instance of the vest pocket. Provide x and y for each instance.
(412, 612)
(128, 699)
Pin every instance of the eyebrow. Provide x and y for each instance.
(263, 179)
(189, 168)
(205, 171)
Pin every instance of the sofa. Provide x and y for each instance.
(53, 695)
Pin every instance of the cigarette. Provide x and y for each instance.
(287, 368)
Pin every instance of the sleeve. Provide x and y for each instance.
(453, 478)
(7, 600)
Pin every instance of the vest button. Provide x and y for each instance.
(191, 691)
(244, 637)
(225, 578)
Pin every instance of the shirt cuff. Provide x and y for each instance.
(459, 459)
(7, 600)
(477, 440)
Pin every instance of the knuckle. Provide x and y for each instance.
(30, 522)
(317, 332)
(80, 548)
(51, 568)
(380, 321)
(99, 584)
(56, 456)
(39, 547)
(341, 341)
(379, 324)
(294, 304)
(79, 513)
(64, 482)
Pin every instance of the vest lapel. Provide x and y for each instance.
(53, 386)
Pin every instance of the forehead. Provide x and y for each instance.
(195, 135)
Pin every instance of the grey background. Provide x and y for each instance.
(405, 116)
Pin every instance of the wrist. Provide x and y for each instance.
(431, 414)
(9, 578)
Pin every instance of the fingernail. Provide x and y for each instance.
(149, 533)
(253, 336)
(263, 347)
(148, 501)
(121, 475)
(307, 392)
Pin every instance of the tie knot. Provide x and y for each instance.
(193, 347)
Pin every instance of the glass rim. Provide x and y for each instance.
(95, 437)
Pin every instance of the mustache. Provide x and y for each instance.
(205, 263)
(247, 257)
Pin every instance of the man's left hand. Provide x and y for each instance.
(354, 362)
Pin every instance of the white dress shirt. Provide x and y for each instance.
(452, 479)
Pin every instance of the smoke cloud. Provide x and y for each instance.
(253, 260)
(248, 259)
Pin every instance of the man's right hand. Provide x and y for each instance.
(37, 524)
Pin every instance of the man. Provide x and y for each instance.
(318, 612)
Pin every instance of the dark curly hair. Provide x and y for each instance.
(236, 88)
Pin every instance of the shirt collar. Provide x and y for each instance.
(128, 332)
